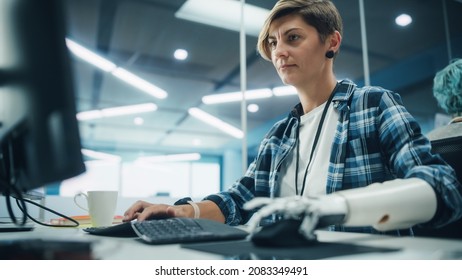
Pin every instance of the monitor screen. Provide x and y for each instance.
(39, 137)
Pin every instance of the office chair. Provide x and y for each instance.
(450, 150)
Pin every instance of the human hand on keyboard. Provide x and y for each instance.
(143, 210)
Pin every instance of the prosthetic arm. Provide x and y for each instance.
(396, 204)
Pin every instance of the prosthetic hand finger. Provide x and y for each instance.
(322, 211)
(254, 222)
(308, 225)
(260, 214)
(267, 209)
(294, 206)
(270, 206)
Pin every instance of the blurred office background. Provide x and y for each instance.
(184, 52)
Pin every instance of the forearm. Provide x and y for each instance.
(205, 210)
(209, 210)
(395, 204)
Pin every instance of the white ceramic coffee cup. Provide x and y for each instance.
(101, 206)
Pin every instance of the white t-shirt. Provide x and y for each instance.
(317, 172)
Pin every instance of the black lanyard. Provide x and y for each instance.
(315, 143)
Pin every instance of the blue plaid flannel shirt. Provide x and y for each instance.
(376, 140)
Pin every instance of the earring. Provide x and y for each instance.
(330, 54)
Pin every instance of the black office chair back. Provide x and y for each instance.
(450, 150)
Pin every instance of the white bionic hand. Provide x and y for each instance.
(312, 210)
(396, 204)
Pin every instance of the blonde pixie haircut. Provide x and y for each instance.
(321, 14)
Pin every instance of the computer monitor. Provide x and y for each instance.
(39, 136)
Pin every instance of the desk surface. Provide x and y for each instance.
(131, 249)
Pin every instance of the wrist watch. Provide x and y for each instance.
(183, 201)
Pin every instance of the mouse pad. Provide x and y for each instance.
(319, 250)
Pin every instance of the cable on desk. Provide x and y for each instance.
(24, 210)
(11, 191)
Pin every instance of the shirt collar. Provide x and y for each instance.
(342, 94)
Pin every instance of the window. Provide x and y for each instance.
(175, 179)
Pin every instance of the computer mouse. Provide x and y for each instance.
(283, 233)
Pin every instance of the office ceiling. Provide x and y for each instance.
(141, 36)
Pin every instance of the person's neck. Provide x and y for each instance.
(313, 95)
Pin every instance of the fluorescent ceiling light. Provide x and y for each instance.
(180, 54)
(89, 115)
(253, 108)
(116, 111)
(403, 20)
(138, 121)
(129, 110)
(90, 56)
(169, 158)
(137, 82)
(100, 155)
(224, 14)
(118, 72)
(236, 96)
(216, 122)
(284, 91)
